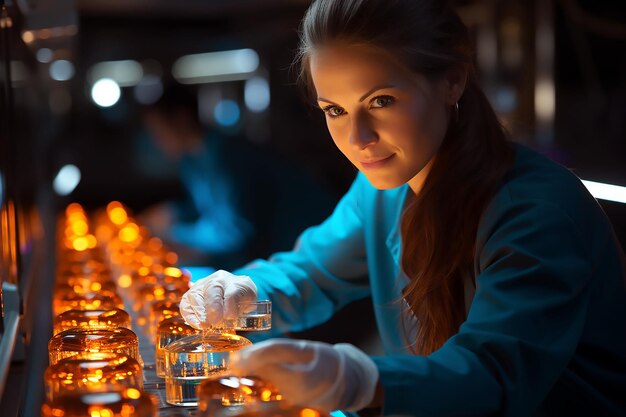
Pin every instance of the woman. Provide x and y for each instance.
(495, 277)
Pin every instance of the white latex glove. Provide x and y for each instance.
(311, 374)
(215, 298)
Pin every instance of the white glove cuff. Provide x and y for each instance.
(365, 376)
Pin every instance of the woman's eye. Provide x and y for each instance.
(333, 111)
(381, 101)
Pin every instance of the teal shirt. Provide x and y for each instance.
(546, 330)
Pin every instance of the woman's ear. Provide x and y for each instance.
(456, 79)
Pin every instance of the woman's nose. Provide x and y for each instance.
(362, 133)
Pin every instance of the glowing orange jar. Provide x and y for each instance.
(71, 342)
(92, 319)
(231, 396)
(92, 372)
(168, 331)
(69, 300)
(160, 311)
(88, 282)
(127, 403)
(231, 390)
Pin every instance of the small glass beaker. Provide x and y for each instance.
(92, 319)
(193, 359)
(169, 331)
(71, 342)
(125, 403)
(252, 316)
(92, 372)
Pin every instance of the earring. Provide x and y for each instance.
(456, 112)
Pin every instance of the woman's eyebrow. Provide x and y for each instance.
(375, 89)
(325, 100)
(364, 96)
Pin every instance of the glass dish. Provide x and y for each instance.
(71, 342)
(92, 372)
(92, 319)
(126, 403)
(192, 359)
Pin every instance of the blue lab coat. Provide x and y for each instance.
(546, 330)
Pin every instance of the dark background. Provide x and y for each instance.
(578, 47)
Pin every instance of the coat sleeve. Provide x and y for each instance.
(522, 329)
(326, 269)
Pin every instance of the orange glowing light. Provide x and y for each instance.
(28, 36)
(79, 227)
(92, 242)
(173, 272)
(80, 244)
(129, 233)
(266, 395)
(73, 208)
(118, 216)
(124, 281)
(75, 217)
(133, 393)
(308, 412)
(114, 204)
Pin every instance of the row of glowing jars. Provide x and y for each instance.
(154, 287)
(94, 361)
(146, 270)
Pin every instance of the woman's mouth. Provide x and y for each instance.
(375, 163)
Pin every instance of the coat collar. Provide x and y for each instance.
(394, 240)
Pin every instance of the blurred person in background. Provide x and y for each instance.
(495, 276)
(236, 195)
(210, 219)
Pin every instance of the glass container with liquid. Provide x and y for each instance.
(233, 391)
(92, 319)
(92, 372)
(169, 331)
(252, 316)
(160, 311)
(192, 359)
(232, 396)
(126, 403)
(71, 342)
(148, 294)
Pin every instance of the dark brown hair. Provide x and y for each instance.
(439, 225)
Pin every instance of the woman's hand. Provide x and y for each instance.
(311, 374)
(215, 298)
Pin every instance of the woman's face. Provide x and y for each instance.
(388, 122)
